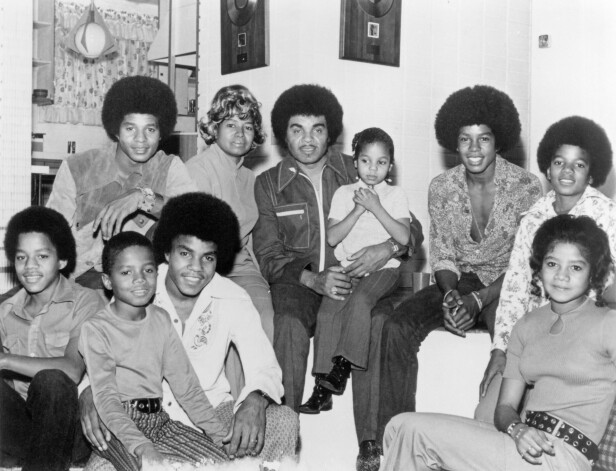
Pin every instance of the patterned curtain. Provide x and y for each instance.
(80, 83)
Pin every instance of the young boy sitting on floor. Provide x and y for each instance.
(39, 331)
(129, 347)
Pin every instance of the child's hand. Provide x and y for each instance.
(367, 198)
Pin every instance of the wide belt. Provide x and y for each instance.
(560, 429)
(147, 406)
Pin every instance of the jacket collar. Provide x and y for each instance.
(288, 169)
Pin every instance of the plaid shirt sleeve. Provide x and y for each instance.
(607, 447)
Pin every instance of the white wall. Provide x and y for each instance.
(577, 74)
(445, 45)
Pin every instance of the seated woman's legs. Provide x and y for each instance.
(251, 280)
(438, 441)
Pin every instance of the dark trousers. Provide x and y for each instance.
(43, 431)
(295, 318)
(344, 327)
(403, 333)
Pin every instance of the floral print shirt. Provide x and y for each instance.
(515, 297)
(451, 245)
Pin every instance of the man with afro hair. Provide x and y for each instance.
(196, 240)
(474, 210)
(290, 243)
(101, 192)
(575, 155)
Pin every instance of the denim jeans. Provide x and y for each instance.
(42, 432)
(403, 333)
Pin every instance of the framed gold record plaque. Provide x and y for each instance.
(244, 35)
(370, 31)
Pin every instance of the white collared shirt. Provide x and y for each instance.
(222, 314)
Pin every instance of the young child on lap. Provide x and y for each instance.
(129, 347)
(364, 213)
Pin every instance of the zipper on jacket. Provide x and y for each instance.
(319, 197)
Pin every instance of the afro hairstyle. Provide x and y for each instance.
(141, 95)
(44, 221)
(371, 136)
(583, 133)
(478, 105)
(233, 100)
(591, 240)
(120, 242)
(306, 100)
(203, 216)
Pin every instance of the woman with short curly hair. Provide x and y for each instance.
(233, 128)
(575, 155)
(123, 186)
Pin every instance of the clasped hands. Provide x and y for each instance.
(460, 313)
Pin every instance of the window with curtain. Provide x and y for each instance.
(80, 83)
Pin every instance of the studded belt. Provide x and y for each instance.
(147, 406)
(560, 429)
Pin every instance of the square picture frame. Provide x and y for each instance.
(370, 31)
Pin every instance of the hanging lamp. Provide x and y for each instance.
(90, 37)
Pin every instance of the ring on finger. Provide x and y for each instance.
(334, 290)
(529, 449)
(367, 274)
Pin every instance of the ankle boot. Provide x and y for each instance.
(337, 378)
(321, 399)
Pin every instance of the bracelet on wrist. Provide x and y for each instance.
(395, 247)
(447, 293)
(512, 426)
(475, 295)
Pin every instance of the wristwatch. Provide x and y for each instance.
(149, 198)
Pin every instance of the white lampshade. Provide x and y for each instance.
(90, 37)
(92, 43)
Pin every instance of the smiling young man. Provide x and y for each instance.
(101, 192)
(291, 246)
(40, 325)
(475, 209)
(196, 240)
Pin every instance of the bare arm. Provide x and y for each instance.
(399, 229)
(338, 230)
(530, 442)
(71, 363)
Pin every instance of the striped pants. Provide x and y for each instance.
(174, 440)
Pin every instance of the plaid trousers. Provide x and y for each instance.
(607, 447)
